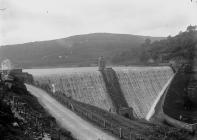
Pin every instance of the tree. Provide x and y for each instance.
(147, 42)
(191, 28)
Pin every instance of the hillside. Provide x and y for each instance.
(21, 115)
(178, 48)
(181, 47)
(79, 50)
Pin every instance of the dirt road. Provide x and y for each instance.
(80, 128)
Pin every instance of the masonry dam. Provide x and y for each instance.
(134, 90)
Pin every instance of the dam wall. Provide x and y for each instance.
(139, 86)
(84, 86)
(142, 85)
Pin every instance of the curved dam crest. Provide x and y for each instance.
(140, 86)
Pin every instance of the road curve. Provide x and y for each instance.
(80, 128)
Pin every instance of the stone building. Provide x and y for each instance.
(101, 63)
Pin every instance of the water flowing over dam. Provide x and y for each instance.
(82, 85)
(140, 86)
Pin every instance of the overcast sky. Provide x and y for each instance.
(33, 20)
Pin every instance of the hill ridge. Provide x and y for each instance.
(78, 50)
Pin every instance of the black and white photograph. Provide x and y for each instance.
(98, 69)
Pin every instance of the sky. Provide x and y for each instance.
(35, 20)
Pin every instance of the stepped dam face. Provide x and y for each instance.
(140, 86)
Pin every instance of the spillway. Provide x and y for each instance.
(140, 86)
